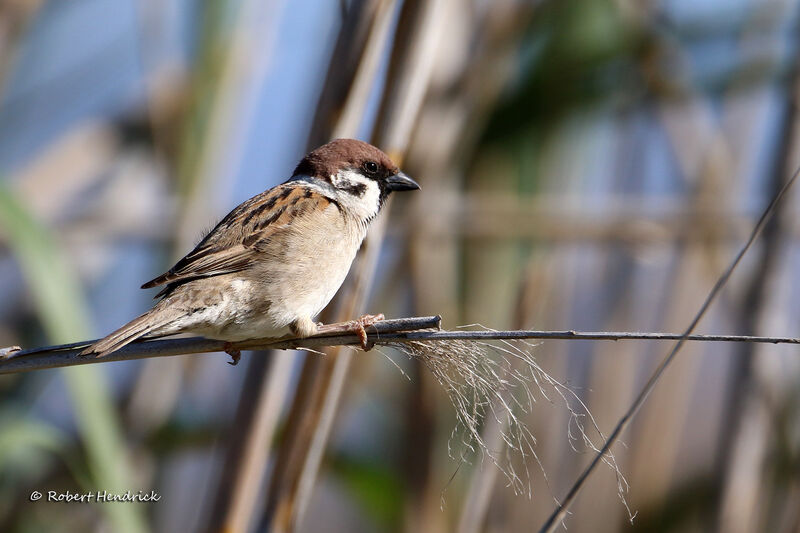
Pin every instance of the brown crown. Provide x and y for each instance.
(340, 154)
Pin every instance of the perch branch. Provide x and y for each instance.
(392, 331)
(327, 335)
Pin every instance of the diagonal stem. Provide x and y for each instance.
(561, 510)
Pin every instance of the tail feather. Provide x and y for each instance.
(136, 328)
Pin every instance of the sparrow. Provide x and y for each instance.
(274, 262)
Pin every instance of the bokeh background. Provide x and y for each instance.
(585, 164)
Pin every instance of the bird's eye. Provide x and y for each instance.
(371, 167)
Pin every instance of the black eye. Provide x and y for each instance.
(371, 167)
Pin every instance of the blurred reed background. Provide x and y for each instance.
(586, 164)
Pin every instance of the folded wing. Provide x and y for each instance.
(236, 242)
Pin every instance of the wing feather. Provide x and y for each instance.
(235, 243)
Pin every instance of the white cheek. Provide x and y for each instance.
(371, 198)
(365, 206)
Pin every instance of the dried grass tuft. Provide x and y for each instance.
(500, 382)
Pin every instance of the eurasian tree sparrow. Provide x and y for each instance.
(274, 262)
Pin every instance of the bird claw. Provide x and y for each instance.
(233, 352)
(359, 329)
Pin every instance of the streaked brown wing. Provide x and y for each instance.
(236, 241)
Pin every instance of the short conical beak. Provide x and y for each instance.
(401, 182)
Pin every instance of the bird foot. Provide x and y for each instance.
(364, 322)
(233, 352)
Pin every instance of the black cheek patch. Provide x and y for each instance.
(356, 189)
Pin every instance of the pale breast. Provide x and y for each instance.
(309, 264)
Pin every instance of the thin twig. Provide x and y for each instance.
(400, 330)
(561, 510)
(329, 335)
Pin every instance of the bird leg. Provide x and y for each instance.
(357, 327)
(304, 327)
(233, 352)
